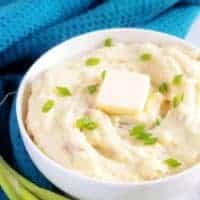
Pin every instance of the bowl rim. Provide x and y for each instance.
(26, 138)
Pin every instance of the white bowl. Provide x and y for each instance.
(73, 183)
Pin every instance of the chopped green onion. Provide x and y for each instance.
(7, 187)
(103, 74)
(92, 89)
(177, 79)
(63, 91)
(163, 88)
(92, 61)
(48, 105)
(17, 187)
(145, 57)
(150, 140)
(108, 42)
(86, 123)
(177, 100)
(137, 129)
(156, 123)
(140, 133)
(172, 163)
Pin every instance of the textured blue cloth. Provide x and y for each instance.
(30, 27)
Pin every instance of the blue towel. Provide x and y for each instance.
(30, 27)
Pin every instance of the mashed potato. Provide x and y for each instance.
(164, 138)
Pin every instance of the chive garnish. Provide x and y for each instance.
(156, 123)
(103, 74)
(63, 91)
(139, 132)
(145, 57)
(177, 80)
(172, 163)
(92, 89)
(163, 88)
(48, 105)
(86, 123)
(108, 42)
(92, 61)
(150, 140)
(177, 100)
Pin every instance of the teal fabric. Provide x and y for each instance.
(30, 27)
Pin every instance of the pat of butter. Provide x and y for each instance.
(123, 92)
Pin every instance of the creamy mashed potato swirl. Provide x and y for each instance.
(65, 122)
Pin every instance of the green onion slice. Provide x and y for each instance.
(86, 123)
(177, 100)
(91, 62)
(92, 89)
(103, 74)
(172, 163)
(48, 105)
(156, 123)
(139, 132)
(163, 88)
(145, 57)
(63, 91)
(177, 80)
(108, 42)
